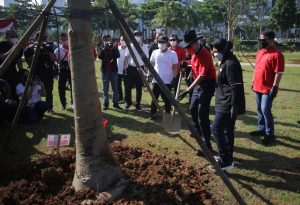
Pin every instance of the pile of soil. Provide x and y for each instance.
(153, 179)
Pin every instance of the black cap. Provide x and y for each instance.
(137, 32)
(219, 44)
(190, 37)
(162, 38)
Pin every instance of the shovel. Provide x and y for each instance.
(172, 122)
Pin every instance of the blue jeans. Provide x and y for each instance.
(200, 105)
(223, 131)
(264, 112)
(112, 77)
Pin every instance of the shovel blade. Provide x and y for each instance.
(172, 123)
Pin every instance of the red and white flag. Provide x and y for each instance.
(7, 24)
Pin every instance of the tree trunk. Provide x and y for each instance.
(95, 166)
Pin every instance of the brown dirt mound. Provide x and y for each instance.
(153, 179)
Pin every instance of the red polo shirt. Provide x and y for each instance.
(202, 64)
(181, 55)
(268, 62)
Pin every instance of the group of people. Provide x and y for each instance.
(213, 69)
(14, 79)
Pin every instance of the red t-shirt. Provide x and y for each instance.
(181, 55)
(202, 64)
(268, 62)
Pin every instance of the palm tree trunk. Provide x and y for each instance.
(95, 166)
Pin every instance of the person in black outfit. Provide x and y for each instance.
(8, 106)
(45, 66)
(230, 101)
(109, 54)
(11, 74)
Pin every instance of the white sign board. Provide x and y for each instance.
(52, 140)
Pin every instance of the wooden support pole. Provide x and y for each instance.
(139, 69)
(181, 112)
(31, 72)
(15, 50)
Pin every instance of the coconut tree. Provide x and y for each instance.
(95, 166)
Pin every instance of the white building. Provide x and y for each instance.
(5, 3)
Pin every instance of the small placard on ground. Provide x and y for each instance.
(52, 140)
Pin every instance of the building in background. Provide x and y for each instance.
(5, 3)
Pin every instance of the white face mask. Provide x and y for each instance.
(173, 43)
(162, 46)
(123, 43)
(138, 39)
(218, 56)
(14, 40)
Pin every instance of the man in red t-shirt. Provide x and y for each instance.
(181, 55)
(203, 86)
(268, 71)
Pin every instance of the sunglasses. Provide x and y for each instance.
(172, 39)
(262, 40)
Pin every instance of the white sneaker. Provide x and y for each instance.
(223, 166)
(72, 106)
(217, 158)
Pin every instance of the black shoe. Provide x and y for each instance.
(116, 106)
(268, 140)
(152, 117)
(63, 107)
(127, 107)
(138, 108)
(257, 133)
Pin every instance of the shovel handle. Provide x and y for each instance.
(177, 91)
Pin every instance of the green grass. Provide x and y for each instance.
(264, 175)
(290, 57)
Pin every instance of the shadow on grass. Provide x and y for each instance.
(21, 142)
(269, 164)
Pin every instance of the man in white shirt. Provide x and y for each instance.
(133, 78)
(165, 63)
(120, 61)
(64, 76)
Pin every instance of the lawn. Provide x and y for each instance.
(290, 57)
(264, 175)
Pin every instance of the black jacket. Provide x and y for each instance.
(230, 85)
(109, 54)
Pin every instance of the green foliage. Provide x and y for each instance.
(283, 15)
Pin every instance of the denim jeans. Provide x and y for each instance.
(200, 105)
(63, 78)
(264, 112)
(112, 77)
(36, 113)
(223, 131)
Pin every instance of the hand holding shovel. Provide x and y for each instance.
(182, 95)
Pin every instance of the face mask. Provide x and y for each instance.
(138, 39)
(173, 43)
(264, 44)
(218, 56)
(14, 40)
(123, 43)
(162, 46)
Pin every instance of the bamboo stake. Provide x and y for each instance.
(209, 156)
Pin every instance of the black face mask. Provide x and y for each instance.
(263, 44)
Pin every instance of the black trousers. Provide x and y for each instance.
(157, 91)
(200, 106)
(120, 89)
(132, 79)
(64, 76)
(48, 83)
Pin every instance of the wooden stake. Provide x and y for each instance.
(117, 14)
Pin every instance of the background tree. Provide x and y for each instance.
(232, 11)
(95, 165)
(283, 15)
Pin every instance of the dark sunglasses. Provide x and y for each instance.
(262, 40)
(172, 39)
